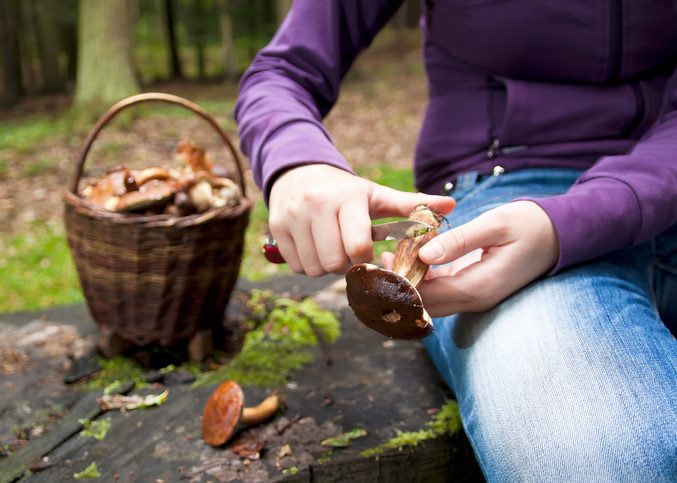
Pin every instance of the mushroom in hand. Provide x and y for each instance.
(224, 412)
(387, 300)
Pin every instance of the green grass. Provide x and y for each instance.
(38, 166)
(25, 135)
(397, 178)
(36, 270)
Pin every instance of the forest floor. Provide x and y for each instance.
(374, 124)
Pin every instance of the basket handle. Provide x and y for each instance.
(159, 97)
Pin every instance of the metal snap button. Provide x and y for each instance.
(448, 187)
(497, 170)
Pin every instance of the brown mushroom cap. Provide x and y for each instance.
(222, 413)
(387, 302)
(108, 187)
(152, 193)
(145, 175)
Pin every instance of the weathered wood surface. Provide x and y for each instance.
(373, 383)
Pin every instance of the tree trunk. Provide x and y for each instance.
(226, 23)
(69, 37)
(400, 21)
(9, 46)
(28, 48)
(47, 17)
(175, 69)
(281, 9)
(199, 35)
(254, 13)
(413, 8)
(105, 67)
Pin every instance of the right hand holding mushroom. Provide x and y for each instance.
(492, 256)
(321, 216)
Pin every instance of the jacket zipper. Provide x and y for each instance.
(615, 40)
(494, 142)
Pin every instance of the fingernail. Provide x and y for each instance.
(431, 251)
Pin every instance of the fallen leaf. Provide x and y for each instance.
(284, 451)
(112, 387)
(88, 473)
(248, 445)
(128, 403)
(95, 429)
(38, 464)
(343, 440)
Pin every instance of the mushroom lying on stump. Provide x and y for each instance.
(387, 300)
(224, 412)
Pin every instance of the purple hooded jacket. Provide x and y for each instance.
(520, 83)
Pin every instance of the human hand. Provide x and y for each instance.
(321, 216)
(492, 256)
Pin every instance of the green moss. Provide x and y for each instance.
(280, 342)
(324, 458)
(114, 371)
(290, 471)
(89, 473)
(446, 421)
(344, 440)
(193, 367)
(95, 429)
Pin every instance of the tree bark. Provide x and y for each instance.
(226, 23)
(105, 67)
(400, 21)
(69, 37)
(47, 17)
(175, 68)
(199, 34)
(9, 46)
(281, 9)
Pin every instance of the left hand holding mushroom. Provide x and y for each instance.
(518, 244)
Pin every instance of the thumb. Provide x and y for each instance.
(459, 241)
(386, 201)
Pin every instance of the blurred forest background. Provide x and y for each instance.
(64, 62)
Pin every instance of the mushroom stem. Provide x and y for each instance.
(262, 412)
(406, 262)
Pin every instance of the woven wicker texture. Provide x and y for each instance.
(156, 279)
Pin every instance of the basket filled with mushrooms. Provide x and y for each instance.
(158, 250)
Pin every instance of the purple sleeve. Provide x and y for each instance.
(622, 200)
(294, 81)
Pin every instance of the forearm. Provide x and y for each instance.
(294, 82)
(622, 200)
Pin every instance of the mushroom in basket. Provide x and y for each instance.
(387, 300)
(194, 188)
(123, 189)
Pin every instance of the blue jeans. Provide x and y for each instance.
(574, 377)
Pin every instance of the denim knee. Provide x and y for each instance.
(572, 378)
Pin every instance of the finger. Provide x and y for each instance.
(455, 243)
(285, 244)
(475, 288)
(387, 259)
(306, 251)
(386, 201)
(440, 271)
(355, 226)
(328, 244)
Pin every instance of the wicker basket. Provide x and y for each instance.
(156, 279)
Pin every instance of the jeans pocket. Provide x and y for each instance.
(462, 195)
